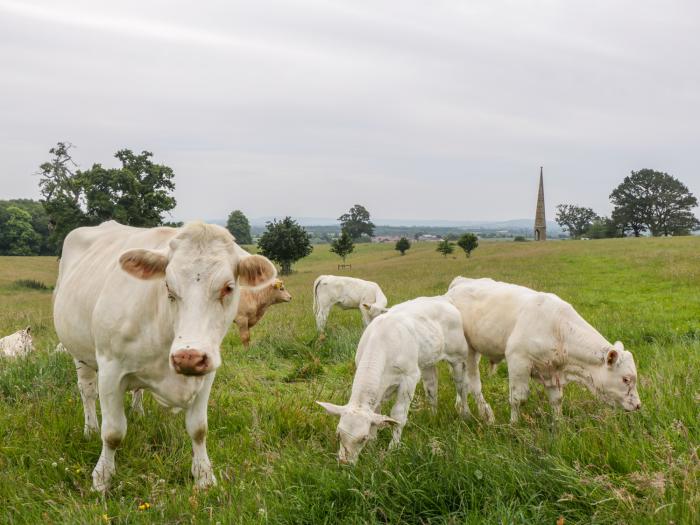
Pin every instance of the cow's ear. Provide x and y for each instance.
(255, 270)
(144, 264)
(334, 410)
(28, 329)
(619, 346)
(383, 421)
(612, 357)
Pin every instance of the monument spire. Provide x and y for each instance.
(540, 221)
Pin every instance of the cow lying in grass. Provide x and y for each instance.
(347, 293)
(18, 344)
(395, 351)
(541, 336)
(254, 304)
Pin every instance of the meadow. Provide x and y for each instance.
(273, 449)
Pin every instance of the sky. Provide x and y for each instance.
(418, 110)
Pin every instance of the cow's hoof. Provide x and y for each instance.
(321, 337)
(205, 480)
(101, 479)
(89, 431)
(487, 415)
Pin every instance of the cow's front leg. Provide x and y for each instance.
(244, 332)
(137, 401)
(555, 394)
(196, 422)
(519, 384)
(430, 385)
(113, 425)
(87, 385)
(399, 411)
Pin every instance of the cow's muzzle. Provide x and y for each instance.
(191, 362)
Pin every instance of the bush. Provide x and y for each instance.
(31, 283)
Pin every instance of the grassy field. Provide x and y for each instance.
(273, 449)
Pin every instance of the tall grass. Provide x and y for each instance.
(273, 449)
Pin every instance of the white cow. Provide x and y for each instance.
(541, 336)
(148, 308)
(347, 292)
(396, 350)
(18, 344)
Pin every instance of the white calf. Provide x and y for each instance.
(541, 336)
(347, 293)
(396, 350)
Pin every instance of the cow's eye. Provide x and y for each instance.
(626, 380)
(226, 290)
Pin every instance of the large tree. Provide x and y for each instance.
(284, 242)
(343, 245)
(17, 235)
(357, 222)
(239, 227)
(575, 219)
(137, 193)
(39, 221)
(654, 201)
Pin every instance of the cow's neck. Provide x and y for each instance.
(367, 386)
(585, 351)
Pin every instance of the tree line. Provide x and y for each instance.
(646, 201)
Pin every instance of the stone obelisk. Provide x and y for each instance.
(540, 222)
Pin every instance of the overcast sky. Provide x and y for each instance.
(417, 109)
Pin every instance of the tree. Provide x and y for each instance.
(138, 193)
(445, 247)
(343, 245)
(654, 201)
(284, 242)
(357, 222)
(468, 242)
(402, 245)
(39, 221)
(603, 228)
(239, 227)
(17, 236)
(575, 219)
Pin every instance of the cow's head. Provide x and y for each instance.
(202, 271)
(280, 292)
(616, 379)
(356, 427)
(373, 310)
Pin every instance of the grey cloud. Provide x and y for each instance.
(426, 110)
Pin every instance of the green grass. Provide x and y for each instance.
(273, 449)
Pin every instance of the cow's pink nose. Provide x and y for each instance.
(190, 362)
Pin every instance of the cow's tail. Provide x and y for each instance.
(316, 303)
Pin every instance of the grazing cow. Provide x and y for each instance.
(254, 304)
(396, 350)
(347, 292)
(541, 336)
(18, 344)
(148, 308)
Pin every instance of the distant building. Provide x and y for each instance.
(540, 221)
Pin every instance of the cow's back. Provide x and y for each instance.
(89, 268)
(492, 310)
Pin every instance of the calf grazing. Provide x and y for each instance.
(396, 350)
(254, 304)
(148, 308)
(541, 336)
(18, 344)
(347, 292)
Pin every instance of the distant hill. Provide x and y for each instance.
(324, 228)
